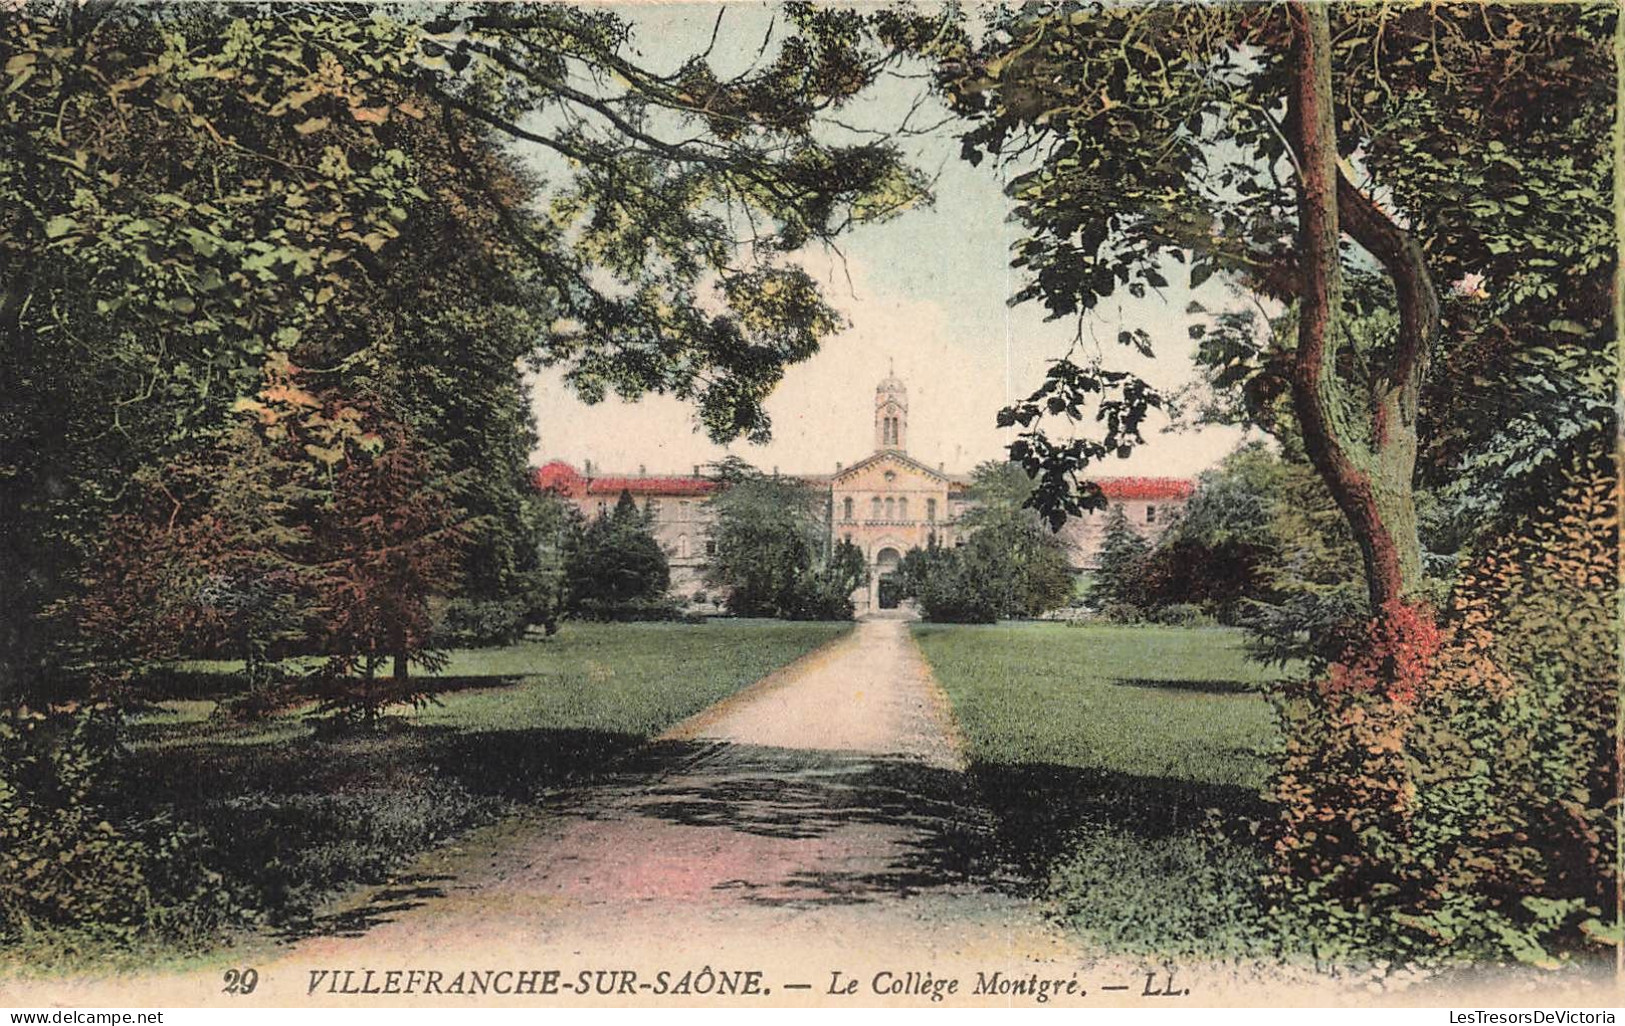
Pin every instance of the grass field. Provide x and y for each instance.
(291, 815)
(1124, 765)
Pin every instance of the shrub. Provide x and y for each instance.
(291, 851)
(821, 597)
(949, 589)
(1515, 757)
(629, 610)
(476, 623)
(61, 862)
(1451, 793)
(67, 862)
(1113, 887)
(1180, 614)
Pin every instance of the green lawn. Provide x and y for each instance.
(1124, 765)
(637, 678)
(291, 815)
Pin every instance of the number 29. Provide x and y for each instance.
(241, 981)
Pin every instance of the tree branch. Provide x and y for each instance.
(1401, 255)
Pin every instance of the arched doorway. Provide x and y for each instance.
(889, 590)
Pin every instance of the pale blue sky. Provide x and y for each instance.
(927, 291)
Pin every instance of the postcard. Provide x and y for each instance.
(820, 505)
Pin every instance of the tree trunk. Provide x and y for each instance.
(398, 644)
(1369, 468)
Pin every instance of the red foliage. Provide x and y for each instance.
(391, 537)
(1395, 658)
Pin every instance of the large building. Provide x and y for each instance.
(886, 503)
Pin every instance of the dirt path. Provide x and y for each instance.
(818, 820)
(818, 823)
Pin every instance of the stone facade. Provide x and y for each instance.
(885, 504)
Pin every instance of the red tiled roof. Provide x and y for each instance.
(1146, 487)
(561, 477)
(558, 476)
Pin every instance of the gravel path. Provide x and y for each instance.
(818, 828)
(820, 820)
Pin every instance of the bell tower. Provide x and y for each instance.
(891, 414)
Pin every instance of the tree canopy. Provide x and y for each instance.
(188, 191)
(1243, 141)
(614, 567)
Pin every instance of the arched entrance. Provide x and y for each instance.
(889, 591)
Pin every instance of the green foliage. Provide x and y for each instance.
(186, 190)
(71, 860)
(615, 569)
(1011, 565)
(1115, 888)
(770, 536)
(1116, 588)
(472, 623)
(1213, 556)
(1138, 138)
(1474, 819)
(948, 586)
(61, 862)
(827, 595)
(1260, 544)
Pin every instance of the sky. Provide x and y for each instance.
(925, 293)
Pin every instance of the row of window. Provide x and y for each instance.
(651, 507)
(888, 509)
(1150, 514)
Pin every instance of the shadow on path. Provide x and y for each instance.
(827, 827)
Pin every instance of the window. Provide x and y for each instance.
(902, 509)
(1151, 514)
(651, 508)
(846, 508)
(849, 539)
(891, 510)
(710, 547)
(931, 510)
(931, 540)
(682, 510)
(603, 507)
(682, 546)
(874, 508)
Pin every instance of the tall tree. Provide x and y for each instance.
(185, 189)
(1243, 140)
(768, 537)
(1122, 556)
(615, 567)
(1019, 558)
